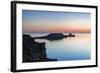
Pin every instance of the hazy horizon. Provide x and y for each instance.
(55, 22)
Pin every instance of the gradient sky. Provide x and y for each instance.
(52, 21)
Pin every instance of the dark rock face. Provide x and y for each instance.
(39, 51)
(34, 51)
(27, 46)
(55, 36)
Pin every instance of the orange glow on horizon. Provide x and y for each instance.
(77, 29)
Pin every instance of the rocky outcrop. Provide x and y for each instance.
(71, 35)
(55, 36)
(34, 51)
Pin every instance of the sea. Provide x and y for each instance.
(67, 49)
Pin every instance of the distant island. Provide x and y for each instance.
(55, 36)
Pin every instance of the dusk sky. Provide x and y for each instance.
(52, 21)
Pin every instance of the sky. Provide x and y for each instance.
(52, 21)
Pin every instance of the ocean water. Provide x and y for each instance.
(70, 48)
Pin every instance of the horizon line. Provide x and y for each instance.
(56, 32)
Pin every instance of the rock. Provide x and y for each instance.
(55, 36)
(40, 51)
(34, 51)
(27, 46)
(52, 36)
(71, 35)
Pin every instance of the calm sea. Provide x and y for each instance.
(70, 48)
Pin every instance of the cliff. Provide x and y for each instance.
(34, 51)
